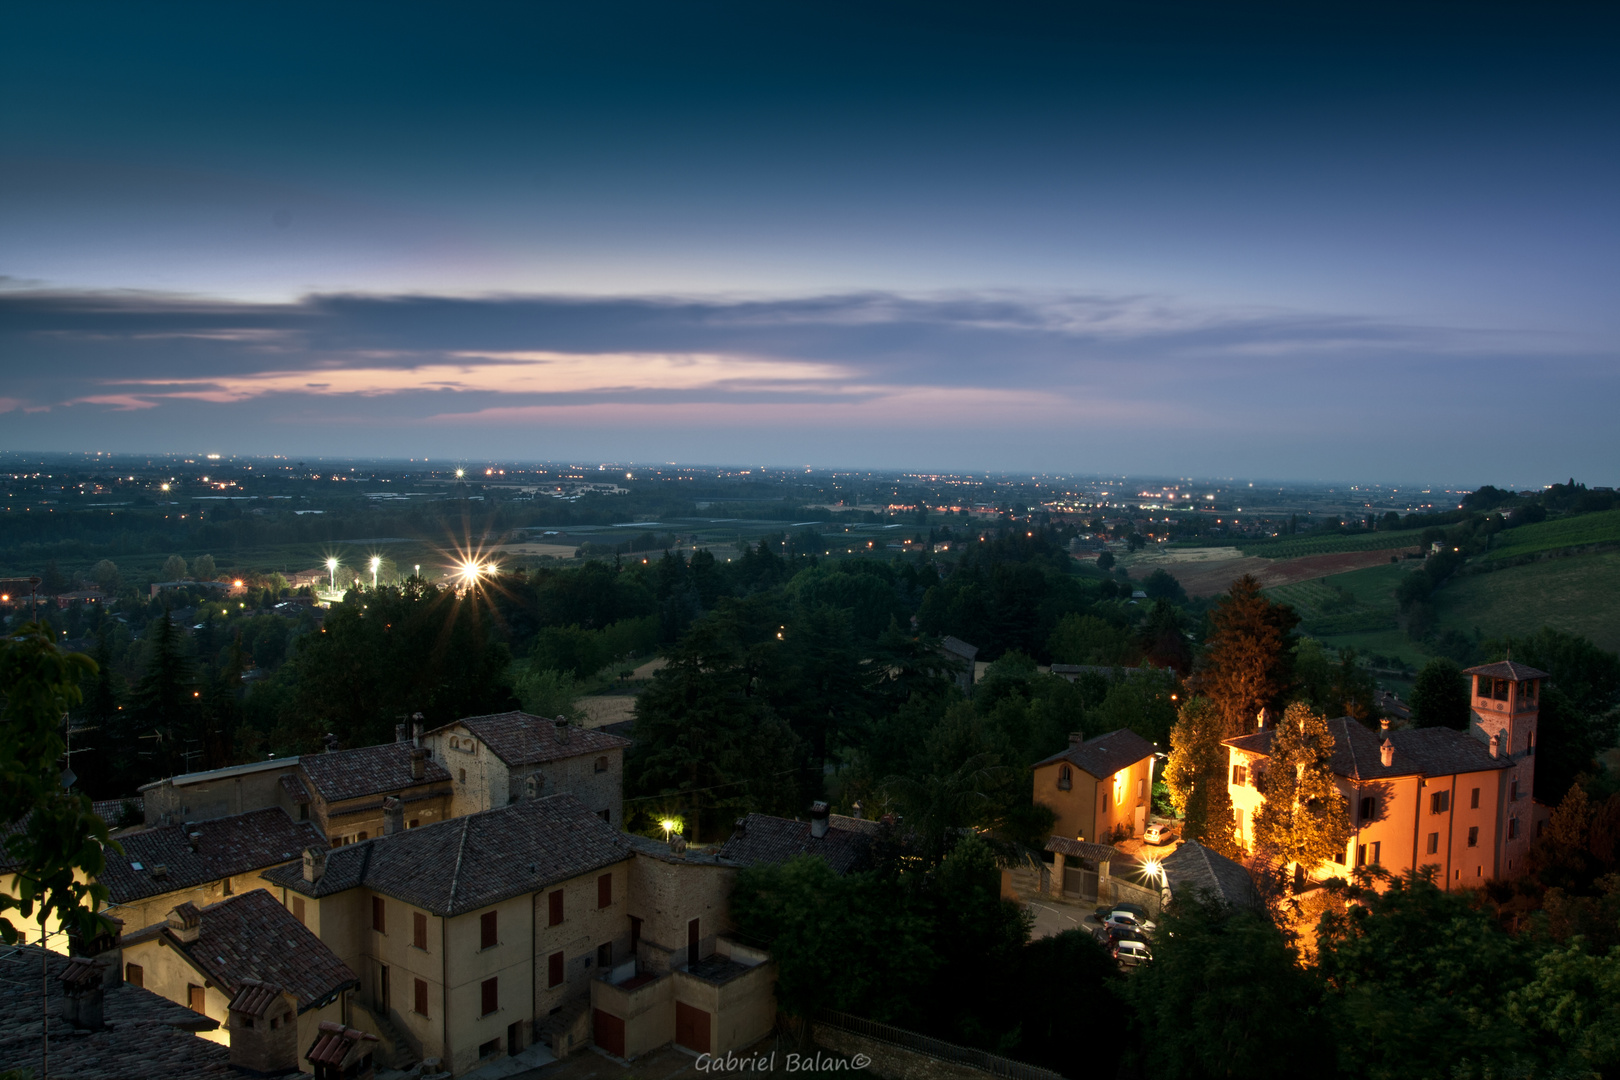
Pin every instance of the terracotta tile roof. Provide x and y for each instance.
(254, 997)
(519, 738)
(147, 1035)
(334, 1043)
(1507, 669)
(228, 847)
(295, 787)
(1095, 853)
(470, 862)
(252, 937)
(1418, 751)
(1105, 755)
(762, 838)
(366, 770)
(1194, 866)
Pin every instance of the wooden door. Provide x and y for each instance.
(609, 1033)
(691, 1027)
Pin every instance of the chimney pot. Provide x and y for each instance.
(1076, 738)
(741, 827)
(193, 839)
(1383, 725)
(819, 812)
(1260, 721)
(84, 988)
(399, 732)
(418, 763)
(1496, 745)
(393, 816)
(858, 809)
(1386, 753)
(416, 730)
(314, 864)
(185, 922)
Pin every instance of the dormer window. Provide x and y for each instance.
(1065, 779)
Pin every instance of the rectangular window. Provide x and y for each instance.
(419, 930)
(1240, 775)
(556, 902)
(1141, 788)
(1513, 828)
(134, 974)
(1361, 854)
(605, 815)
(420, 1005)
(1377, 851)
(486, 930)
(1473, 836)
(604, 891)
(1513, 792)
(298, 908)
(379, 915)
(604, 954)
(1237, 816)
(361, 837)
(1434, 843)
(1369, 806)
(414, 823)
(1339, 858)
(1439, 802)
(694, 942)
(195, 998)
(490, 989)
(554, 969)
(1473, 799)
(225, 887)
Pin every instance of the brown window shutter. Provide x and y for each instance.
(419, 930)
(134, 974)
(421, 998)
(486, 930)
(492, 995)
(556, 901)
(379, 915)
(195, 998)
(604, 891)
(298, 908)
(554, 970)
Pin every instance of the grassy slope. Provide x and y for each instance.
(1580, 595)
(1366, 595)
(1579, 531)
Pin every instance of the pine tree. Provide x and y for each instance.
(1305, 819)
(1248, 664)
(165, 704)
(1196, 774)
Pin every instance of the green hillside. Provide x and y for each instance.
(1603, 528)
(1576, 595)
(1294, 547)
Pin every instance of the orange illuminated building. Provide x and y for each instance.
(1459, 801)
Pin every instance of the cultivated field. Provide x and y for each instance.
(1574, 594)
(1208, 571)
(1572, 532)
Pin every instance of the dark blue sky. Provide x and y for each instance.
(1353, 241)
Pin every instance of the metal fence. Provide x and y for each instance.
(936, 1048)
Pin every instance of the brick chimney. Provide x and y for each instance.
(819, 812)
(264, 1028)
(1386, 753)
(314, 864)
(1496, 745)
(193, 838)
(107, 945)
(562, 729)
(393, 816)
(416, 729)
(399, 732)
(84, 992)
(1383, 725)
(1076, 738)
(418, 763)
(185, 922)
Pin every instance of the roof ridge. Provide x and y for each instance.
(455, 875)
(1355, 765)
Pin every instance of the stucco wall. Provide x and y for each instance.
(1093, 806)
(648, 1012)
(584, 928)
(217, 798)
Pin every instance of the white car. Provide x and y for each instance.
(1124, 920)
(1156, 834)
(1130, 953)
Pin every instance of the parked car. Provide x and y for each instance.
(1156, 834)
(1126, 920)
(1130, 953)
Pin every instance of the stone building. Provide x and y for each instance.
(345, 789)
(507, 757)
(1099, 788)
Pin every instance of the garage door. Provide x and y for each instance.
(691, 1027)
(609, 1033)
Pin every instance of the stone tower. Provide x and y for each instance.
(1506, 704)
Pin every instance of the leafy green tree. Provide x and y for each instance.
(1247, 664)
(548, 693)
(174, 569)
(568, 649)
(1440, 696)
(105, 574)
(1223, 997)
(1162, 585)
(1086, 639)
(54, 849)
(1571, 1013)
(1144, 701)
(1105, 561)
(1305, 819)
(1196, 775)
(203, 569)
(1415, 977)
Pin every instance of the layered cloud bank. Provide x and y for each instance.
(986, 380)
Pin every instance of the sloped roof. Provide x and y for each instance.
(766, 839)
(520, 738)
(1105, 755)
(1194, 866)
(147, 1035)
(334, 1043)
(295, 788)
(229, 846)
(470, 862)
(958, 647)
(252, 937)
(366, 770)
(254, 997)
(1507, 669)
(1082, 849)
(1418, 751)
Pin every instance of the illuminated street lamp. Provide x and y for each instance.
(331, 568)
(375, 562)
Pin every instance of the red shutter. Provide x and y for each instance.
(604, 891)
(421, 997)
(486, 930)
(419, 930)
(554, 970)
(557, 908)
(492, 995)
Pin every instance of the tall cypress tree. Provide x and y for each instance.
(1248, 664)
(165, 706)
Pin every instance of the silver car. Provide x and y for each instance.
(1130, 953)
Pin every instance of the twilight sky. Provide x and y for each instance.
(1356, 242)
